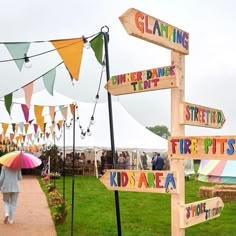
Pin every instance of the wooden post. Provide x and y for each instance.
(177, 96)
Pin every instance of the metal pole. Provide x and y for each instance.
(105, 32)
(64, 159)
(73, 177)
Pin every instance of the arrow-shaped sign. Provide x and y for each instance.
(198, 212)
(151, 29)
(202, 147)
(197, 115)
(140, 181)
(142, 81)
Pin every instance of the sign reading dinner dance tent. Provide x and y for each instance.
(198, 212)
(140, 181)
(201, 116)
(204, 147)
(142, 81)
(151, 29)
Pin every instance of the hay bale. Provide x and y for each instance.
(226, 195)
(206, 191)
(228, 187)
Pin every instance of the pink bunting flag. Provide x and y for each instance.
(28, 89)
(35, 128)
(25, 110)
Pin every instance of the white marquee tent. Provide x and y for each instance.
(128, 133)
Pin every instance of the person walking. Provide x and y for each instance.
(10, 188)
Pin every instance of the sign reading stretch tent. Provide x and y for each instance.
(140, 181)
(151, 29)
(198, 212)
(201, 116)
(142, 81)
(202, 147)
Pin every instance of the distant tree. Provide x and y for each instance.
(160, 130)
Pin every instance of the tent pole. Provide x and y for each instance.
(105, 32)
(64, 159)
(73, 177)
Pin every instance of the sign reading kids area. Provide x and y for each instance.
(140, 181)
(202, 147)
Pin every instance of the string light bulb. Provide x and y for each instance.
(87, 44)
(28, 63)
(92, 120)
(89, 132)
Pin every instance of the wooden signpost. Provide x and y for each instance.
(142, 81)
(202, 147)
(148, 28)
(140, 181)
(151, 29)
(197, 115)
(198, 212)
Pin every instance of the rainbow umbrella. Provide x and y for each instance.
(20, 160)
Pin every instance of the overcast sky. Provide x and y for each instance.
(209, 67)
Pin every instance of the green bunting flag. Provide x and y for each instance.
(17, 50)
(8, 102)
(97, 46)
(49, 79)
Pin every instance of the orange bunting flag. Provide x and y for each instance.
(71, 51)
(4, 128)
(39, 118)
(12, 136)
(26, 127)
(28, 89)
(72, 109)
(59, 124)
(65, 109)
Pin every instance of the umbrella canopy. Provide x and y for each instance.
(20, 160)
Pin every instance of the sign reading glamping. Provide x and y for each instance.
(151, 29)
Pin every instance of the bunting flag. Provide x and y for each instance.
(65, 109)
(21, 125)
(13, 127)
(17, 139)
(61, 108)
(52, 112)
(71, 51)
(49, 80)
(28, 89)
(8, 103)
(59, 124)
(41, 124)
(39, 118)
(97, 46)
(4, 147)
(4, 128)
(12, 136)
(16, 128)
(47, 134)
(26, 127)
(29, 137)
(35, 128)
(25, 110)
(17, 51)
(72, 109)
(0, 138)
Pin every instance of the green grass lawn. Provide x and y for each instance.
(144, 214)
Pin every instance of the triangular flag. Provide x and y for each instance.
(26, 128)
(97, 46)
(17, 50)
(49, 80)
(4, 128)
(8, 103)
(65, 109)
(71, 51)
(25, 110)
(29, 136)
(52, 112)
(12, 136)
(72, 109)
(28, 89)
(21, 125)
(35, 128)
(14, 127)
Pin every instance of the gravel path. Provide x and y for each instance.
(32, 217)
